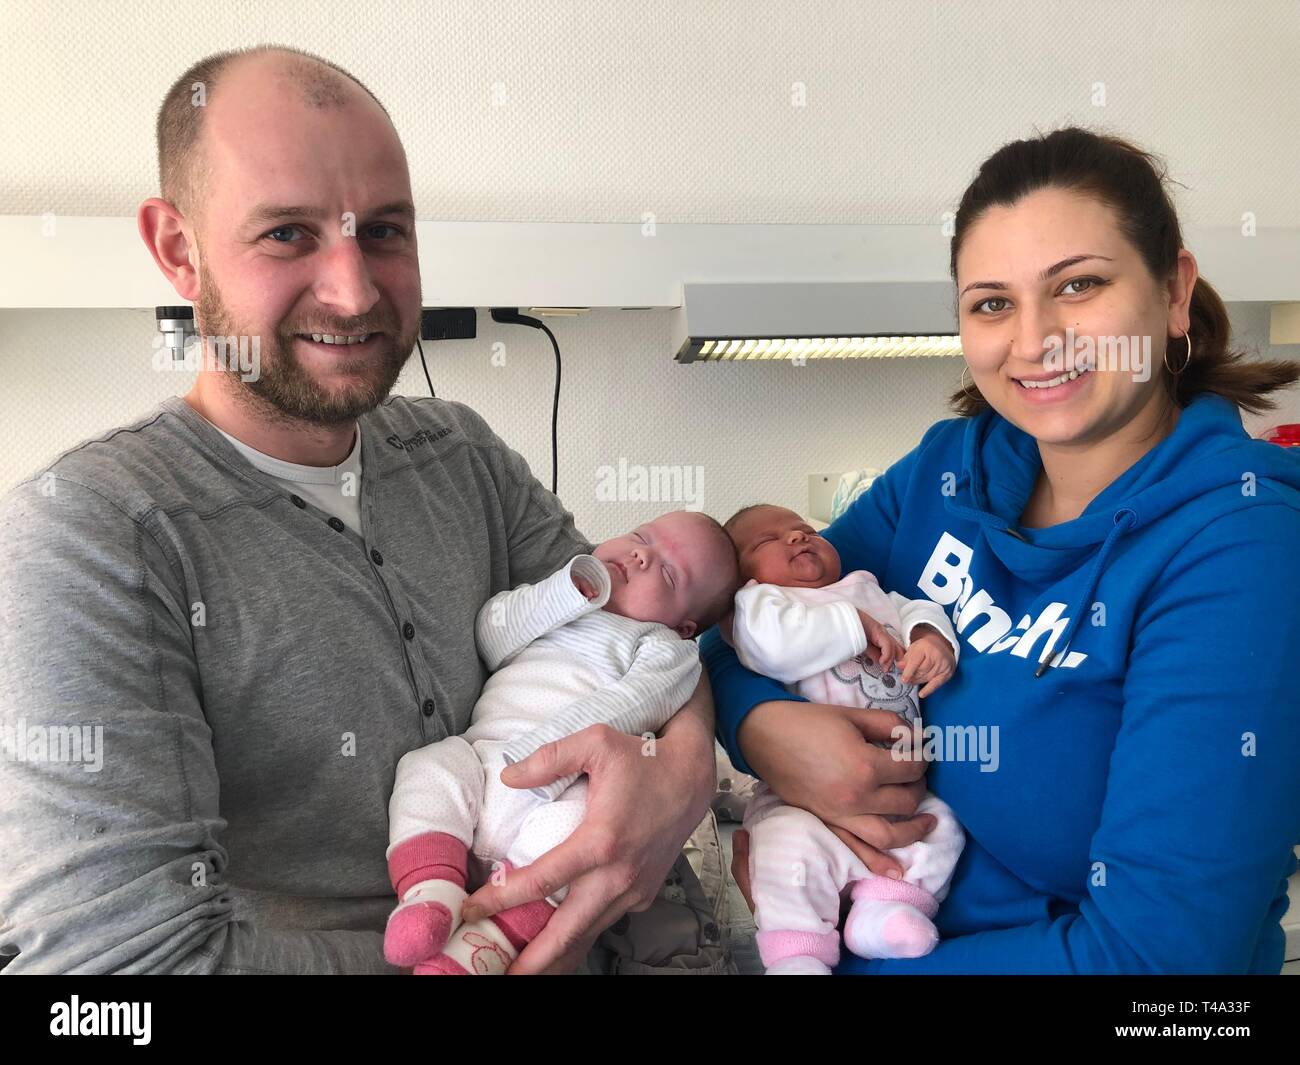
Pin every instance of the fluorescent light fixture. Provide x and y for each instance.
(836, 320)
(747, 349)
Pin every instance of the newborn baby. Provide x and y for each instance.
(841, 640)
(606, 639)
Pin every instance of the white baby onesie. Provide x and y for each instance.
(812, 640)
(560, 663)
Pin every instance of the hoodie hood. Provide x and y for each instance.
(1208, 461)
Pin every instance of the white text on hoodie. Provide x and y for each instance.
(947, 580)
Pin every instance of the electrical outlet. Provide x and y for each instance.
(821, 490)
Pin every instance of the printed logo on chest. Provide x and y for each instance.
(947, 580)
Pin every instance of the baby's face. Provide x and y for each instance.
(776, 546)
(668, 570)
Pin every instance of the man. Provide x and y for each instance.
(254, 600)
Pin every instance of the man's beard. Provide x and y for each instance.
(287, 387)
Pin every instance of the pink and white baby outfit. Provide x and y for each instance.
(812, 640)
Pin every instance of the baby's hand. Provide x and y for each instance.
(887, 649)
(928, 659)
(585, 587)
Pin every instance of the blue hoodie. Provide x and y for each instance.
(1138, 668)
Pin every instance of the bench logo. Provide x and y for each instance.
(948, 582)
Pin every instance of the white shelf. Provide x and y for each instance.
(102, 262)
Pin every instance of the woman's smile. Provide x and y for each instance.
(1055, 389)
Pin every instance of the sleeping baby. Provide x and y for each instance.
(836, 639)
(606, 639)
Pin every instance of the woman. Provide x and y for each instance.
(1121, 562)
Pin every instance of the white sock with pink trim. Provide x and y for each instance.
(802, 965)
(890, 919)
(888, 930)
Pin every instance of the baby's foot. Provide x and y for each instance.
(428, 873)
(488, 946)
(880, 929)
(419, 927)
(477, 948)
(801, 965)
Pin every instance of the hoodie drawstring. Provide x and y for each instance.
(1125, 519)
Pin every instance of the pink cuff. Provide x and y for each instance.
(883, 889)
(428, 856)
(777, 946)
(522, 924)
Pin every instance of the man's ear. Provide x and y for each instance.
(686, 629)
(163, 229)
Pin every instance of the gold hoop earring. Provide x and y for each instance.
(1188, 334)
(965, 387)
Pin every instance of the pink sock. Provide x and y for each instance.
(428, 874)
(890, 919)
(888, 930)
(487, 946)
(522, 924)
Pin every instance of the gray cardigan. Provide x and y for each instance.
(256, 671)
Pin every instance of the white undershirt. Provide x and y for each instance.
(334, 489)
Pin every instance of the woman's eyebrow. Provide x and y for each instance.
(1065, 264)
(1051, 271)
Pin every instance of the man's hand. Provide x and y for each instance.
(641, 808)
(928, 659)
(822, 759)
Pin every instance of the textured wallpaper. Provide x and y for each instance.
(727, 434)
(741, 111)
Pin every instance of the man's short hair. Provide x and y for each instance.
(181, 169)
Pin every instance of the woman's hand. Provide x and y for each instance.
(641, 808)
(822, 759)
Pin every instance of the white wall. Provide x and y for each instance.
(756, 430)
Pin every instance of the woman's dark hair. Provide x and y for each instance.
(1132, 183)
